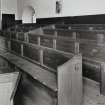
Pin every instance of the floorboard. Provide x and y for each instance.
(92, 95)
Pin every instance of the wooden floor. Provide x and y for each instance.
(92, 95)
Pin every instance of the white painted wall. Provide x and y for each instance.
(0, 14)
(43, 9)
(9, 7)
(47, 8)
(27, 16)
(83, 7)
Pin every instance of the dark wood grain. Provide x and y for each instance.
(53, 59)
(49, 32)
(48, 42)
(65, 45)
(6, 34)
(92, 71)
(61, 26)
(30, 52)
(65, 33)
(87, 35)
(33, 38)
(16, 47)
(21, 36)
(13, 35)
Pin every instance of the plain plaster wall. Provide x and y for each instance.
(83, 7)
(9, 7)
(43, 9)
(27, 16)
(47, 8)
(0, 14)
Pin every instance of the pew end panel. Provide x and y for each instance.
(70, 82)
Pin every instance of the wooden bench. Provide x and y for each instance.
(93, 52)
(59, 43)
(95, 64)
(80, 26)
(57, 71)
(55, 42)
(80, 35)
(25, 27)
(33, 51)
(92, 46)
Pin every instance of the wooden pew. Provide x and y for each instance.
(92, 47)
(25, 27)
(71, 34)
(44, 40)
(94, 62)
(32, 50)
(80, 26)
(59, 43)
(21, 36)
(13, 35)
(81, 35)
(55, 70)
